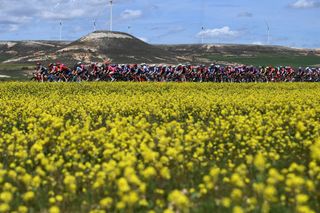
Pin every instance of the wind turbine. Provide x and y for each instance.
(60, 30)
(94, 25)
(98, 15)
(268, 33)
(202, 36)
(111, 5)
(203, 18)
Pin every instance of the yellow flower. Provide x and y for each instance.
(149, 172)
(237, 180)
(302, 198)
(259, 162)
(237, 209)
(270, 193)
(190, 166)
(214, 172)
(121, 205)
(236, 194)
(168, 211)
(301, 127)
(6, 197)
(59, 198)
(252, 201)
(97, 211)
(52, 200)
(143, 202)
(310, 186)
(12, 174)
(28, 196)
(22, 209)
(106, 202)
(54, 209)
(226, 202)
(123, 185)
(165, 173)
(304, 209)
(249, 159)
(70, 183)
(131, 198)
(4, 207)
(180, 200)
(36, 181)
(238, 147)
(26, 179)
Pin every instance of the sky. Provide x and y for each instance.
(293, 23)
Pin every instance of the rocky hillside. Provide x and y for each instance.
(119, 47)
(97, 46)
(114, 46)
(27, 51)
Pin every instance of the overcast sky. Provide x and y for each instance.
(294, 23)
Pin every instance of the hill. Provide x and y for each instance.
(115, 46)
(121, 47)
(17, 57)
(98, 46)
(27, 51)
(245, 54)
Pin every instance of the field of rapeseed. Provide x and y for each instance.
(130, 147)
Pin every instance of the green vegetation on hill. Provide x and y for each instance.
(3, 58)
(15, 71)
(10, 67)
(269, 59)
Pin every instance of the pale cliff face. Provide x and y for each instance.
(102, 35)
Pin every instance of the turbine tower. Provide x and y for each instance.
(268, 33)
(94, 25)
(111, 5)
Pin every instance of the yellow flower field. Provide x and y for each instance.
(159, 147)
